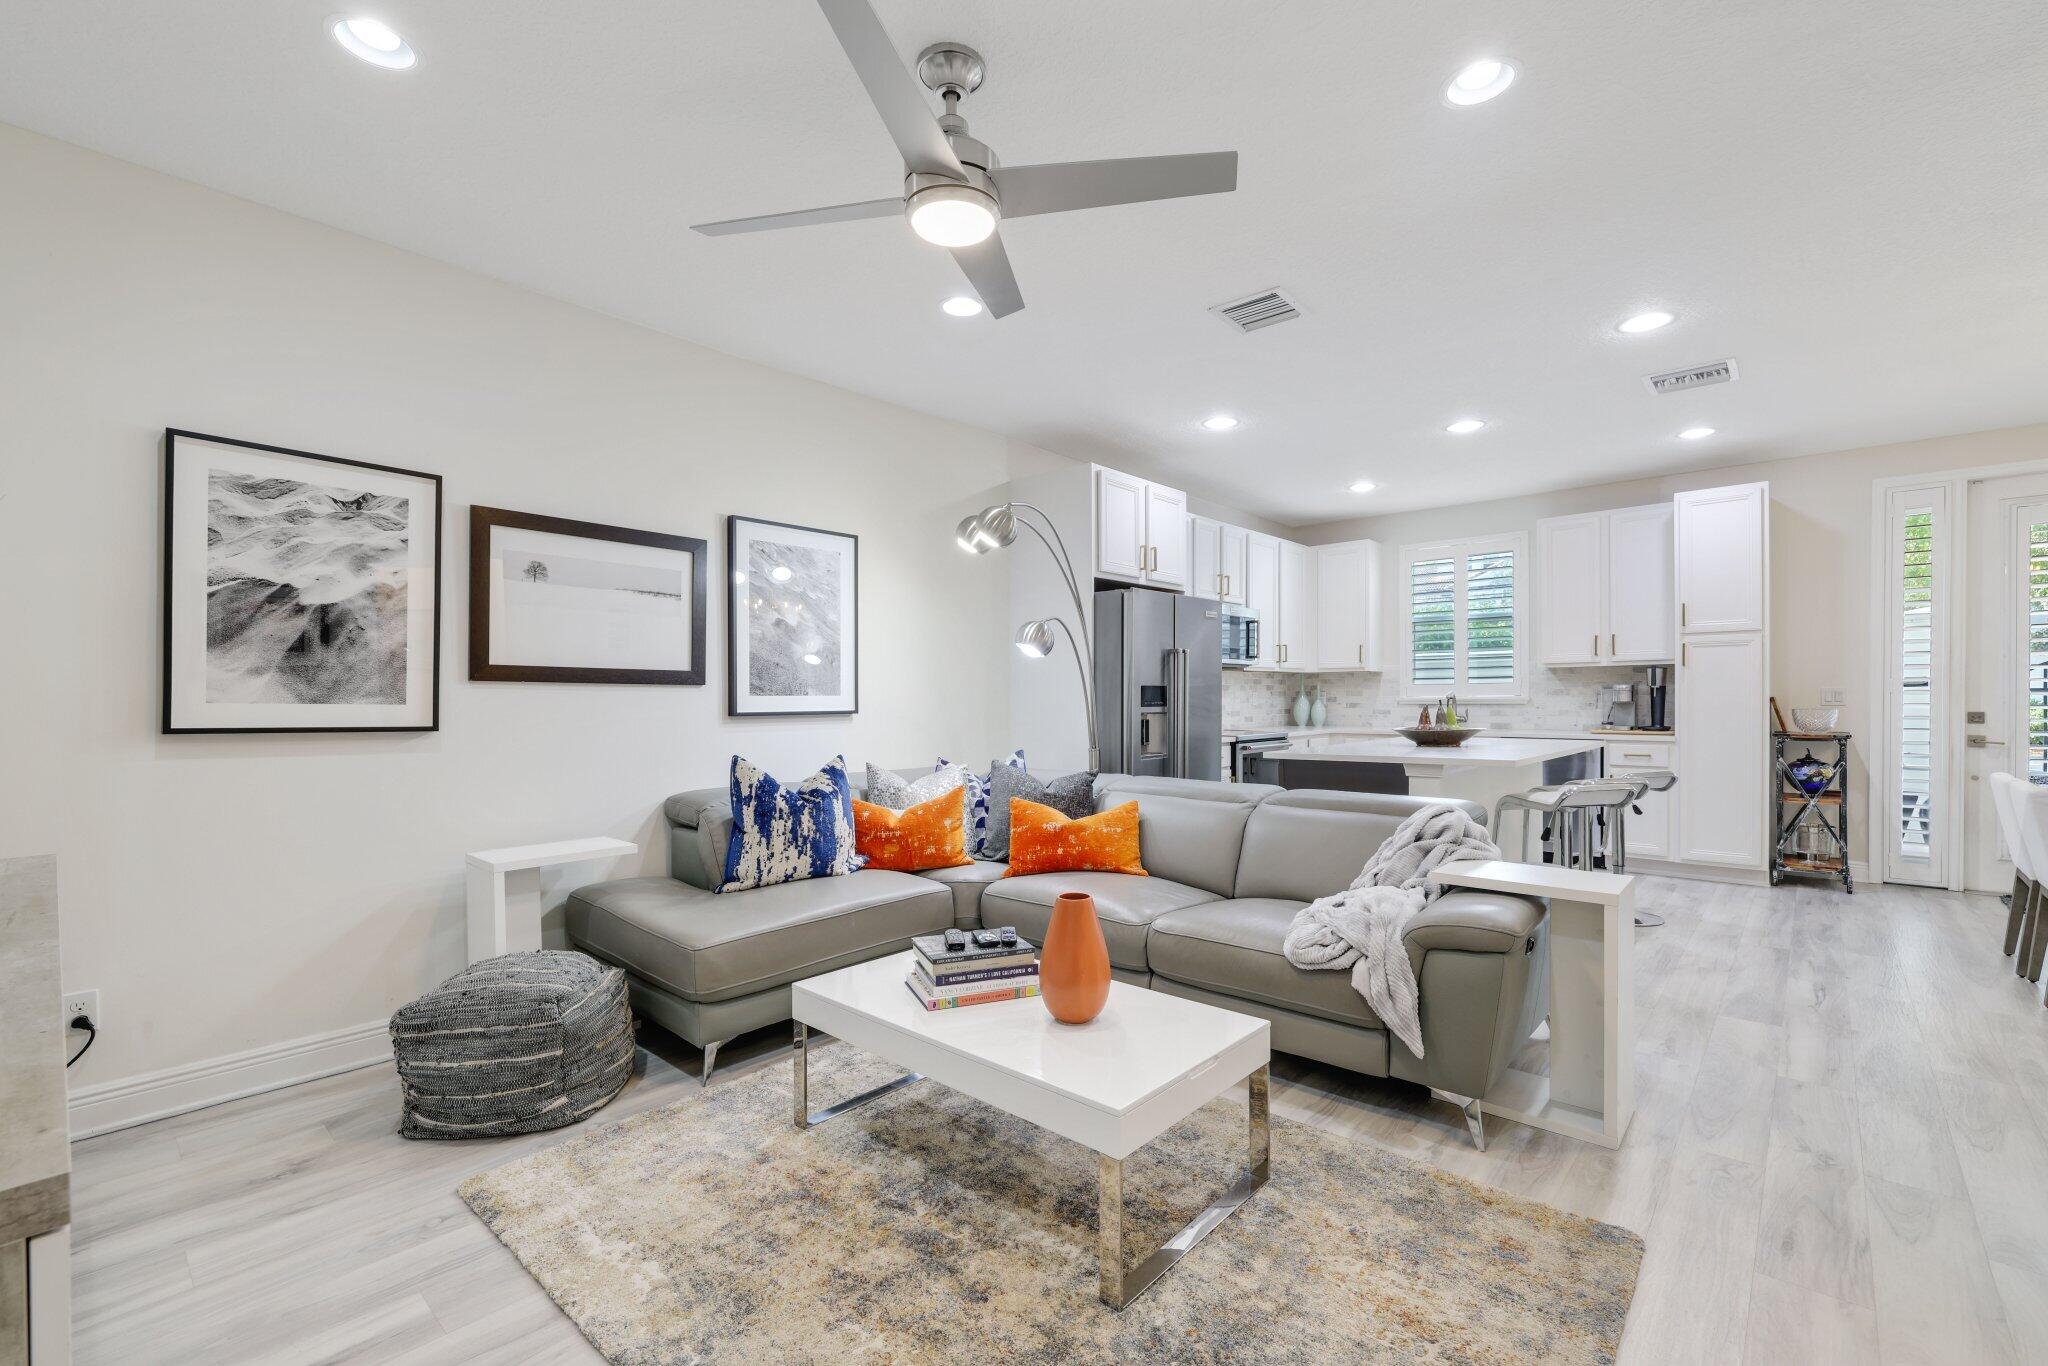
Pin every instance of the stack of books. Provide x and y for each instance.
(942, 978)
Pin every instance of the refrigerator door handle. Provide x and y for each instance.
(1177, 708)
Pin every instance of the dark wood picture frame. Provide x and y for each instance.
(169, 615)
(734, 618)
(481, 670)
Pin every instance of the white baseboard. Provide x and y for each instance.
(1859, 873)
(124, 1103)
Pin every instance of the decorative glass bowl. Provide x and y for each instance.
(1814, 720)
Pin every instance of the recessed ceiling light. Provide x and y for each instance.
(1695, 433)
(375, 41)
(1222, 422)
(962, 305)
(1645, 322)
(1361, 486)
(1465, 426)
(1480, 81)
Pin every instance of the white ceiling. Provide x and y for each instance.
(1846, 195)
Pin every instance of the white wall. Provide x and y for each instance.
(233, 892)
(1820, 558)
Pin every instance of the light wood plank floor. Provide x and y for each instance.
(1841, 1155)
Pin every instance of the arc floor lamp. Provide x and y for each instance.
(995, 527)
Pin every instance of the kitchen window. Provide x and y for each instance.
(1463, 623)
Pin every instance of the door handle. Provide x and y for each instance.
(1177, 708)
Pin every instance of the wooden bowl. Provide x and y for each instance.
(1440, 735)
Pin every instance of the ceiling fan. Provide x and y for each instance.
(953, 187)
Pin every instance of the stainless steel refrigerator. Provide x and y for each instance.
(1159, 683)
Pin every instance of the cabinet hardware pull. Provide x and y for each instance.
(1681, 653)
(1361, 653)
(1610, 643)
(1596, 645)
(1681, 616)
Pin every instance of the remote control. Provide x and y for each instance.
(1009, 936)
(956, 939)
(987, 939)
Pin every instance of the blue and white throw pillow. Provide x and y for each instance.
(786, 833)
(977, 800)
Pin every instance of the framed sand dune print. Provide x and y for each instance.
(558, 601)
(302, 592)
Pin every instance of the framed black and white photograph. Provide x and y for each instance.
(792, 625)
(557, 601)
(302, 592)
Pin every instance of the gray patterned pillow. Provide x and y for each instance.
(900, 794)
(1072, 796)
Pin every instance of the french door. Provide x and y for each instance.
(2005, 701)
(1917, 639)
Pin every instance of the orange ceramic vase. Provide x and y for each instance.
(1073, 967)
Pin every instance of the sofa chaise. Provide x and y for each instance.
(1229, 866)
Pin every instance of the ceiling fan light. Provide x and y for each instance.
(951, 215)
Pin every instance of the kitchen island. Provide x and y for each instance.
(1481, 770)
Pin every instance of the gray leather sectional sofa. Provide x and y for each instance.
(1230, 864)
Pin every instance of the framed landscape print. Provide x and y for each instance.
(556, 601)
(301, 592)
(792, 625)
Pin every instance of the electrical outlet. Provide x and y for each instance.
(86, 1003)
(1831, 697)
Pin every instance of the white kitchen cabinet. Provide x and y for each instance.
(1230, 551)
(1640, 564)
(1262, 595)
(1723, 559)
(1166, 533)
(1119, 526)
(1205, 548)
(1348, 606)
(1297, 632)
(1571, 589)
(1603, 587)
(1722, 739)
(1648, 835)
(1141, 531)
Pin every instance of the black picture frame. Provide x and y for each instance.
(171, 620)
(482, 670)
(738, 620)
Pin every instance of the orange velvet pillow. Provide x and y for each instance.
(1044, 841)
(931, 834)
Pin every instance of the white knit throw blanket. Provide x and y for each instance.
(1361, 928)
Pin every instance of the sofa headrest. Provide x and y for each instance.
(1310, 843)
(1128, 785)
(1371, 803)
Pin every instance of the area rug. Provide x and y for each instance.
(928, 1227)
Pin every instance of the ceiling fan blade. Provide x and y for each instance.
(1059, 186)
(899, 97)
(987, 267)
(803, 218)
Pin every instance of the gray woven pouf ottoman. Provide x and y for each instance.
(514, 1044)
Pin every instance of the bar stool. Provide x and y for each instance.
(2006, 799)
(1575, 810)
(1653, 780)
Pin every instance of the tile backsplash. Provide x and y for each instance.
(1560, 699)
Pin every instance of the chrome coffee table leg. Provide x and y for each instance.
(1117, 1288)
(802, 1114)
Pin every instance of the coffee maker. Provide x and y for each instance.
(1658, 706)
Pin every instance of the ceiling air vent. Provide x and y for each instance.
(1255, 311)
(1692, 377)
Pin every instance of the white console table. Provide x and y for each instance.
(1590, 1093)
(504, 890)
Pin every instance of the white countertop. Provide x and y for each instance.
(1498, 732)
(1480, 750)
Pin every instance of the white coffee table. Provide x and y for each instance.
(1144, 1064)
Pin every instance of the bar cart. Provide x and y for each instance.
(1811, 807)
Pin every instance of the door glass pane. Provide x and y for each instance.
(2037, 652)
(1432, 622)
(1916, 682)
(1490, 618)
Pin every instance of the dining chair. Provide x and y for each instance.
(2006, 804)
(2031, 805)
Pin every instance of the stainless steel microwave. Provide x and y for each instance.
(1240, 636)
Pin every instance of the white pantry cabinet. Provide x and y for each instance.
(1723, 738)
(1603, 587)
(1141, 531)
(1723, 558)
(1296, 630)
(1348, 607)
